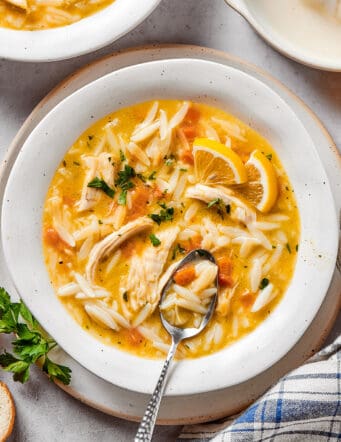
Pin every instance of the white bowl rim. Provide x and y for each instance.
(82, 37)
(151, 368)
(281, 44)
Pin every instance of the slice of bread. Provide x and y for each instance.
(7, 412)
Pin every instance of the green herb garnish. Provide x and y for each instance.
(31, 344)
(296, 247)
(288, 247)
(177, 249)
(221, 207)
(96, 183)
(166, 214)
(264, 282)
(154, 240)
(124, 182)
(169, 161)
(76, 163)
(152, 175)
(269, 156)
(122, 156)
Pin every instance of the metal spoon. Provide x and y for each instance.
(146, 428)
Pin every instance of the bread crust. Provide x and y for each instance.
(10, 425)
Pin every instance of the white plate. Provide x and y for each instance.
(199, 80)
(281, 41)
(196, 408)
(79, 38)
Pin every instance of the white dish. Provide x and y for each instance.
(84, 36)
(279, 28)
(243, 96)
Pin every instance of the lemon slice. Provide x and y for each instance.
(215, 163)
(261, 189)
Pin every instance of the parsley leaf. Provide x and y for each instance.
(288, 247)
(122, 199)
(269, 156)
(56, 371)
(122, 156)
(177, 249)
(264, 282)
(152, 175)
(221, 207)
(166, 214)
(154, 240)
(101, 184)
(124, 183)
(30, 344)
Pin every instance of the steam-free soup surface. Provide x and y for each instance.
(33, 15)
(144, 186)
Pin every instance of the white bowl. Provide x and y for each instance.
(79, 38)
(199, 80)
(283, 43)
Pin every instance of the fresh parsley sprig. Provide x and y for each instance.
(30, 344)
(97, 183)
(165, 214)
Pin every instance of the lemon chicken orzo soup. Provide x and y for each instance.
(33, 15)
(144, 186)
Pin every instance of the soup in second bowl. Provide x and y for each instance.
(144, 186)
(33, 15)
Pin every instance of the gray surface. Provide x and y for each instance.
(43, 411)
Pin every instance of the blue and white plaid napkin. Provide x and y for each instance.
(304, 406)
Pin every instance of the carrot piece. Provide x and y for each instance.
(225, 271)
(187, 157)
(140, 197)
(193, 243)
(189, 132)
(51, 237)
(193, 115)
(134, 337)
(247, 299)
(185, 275)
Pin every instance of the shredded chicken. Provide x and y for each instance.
(102, 168)
(111, 242)
(142, 282)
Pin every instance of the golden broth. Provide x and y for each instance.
(269, 262)
(47, 14)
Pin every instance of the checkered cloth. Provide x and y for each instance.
(304, 406)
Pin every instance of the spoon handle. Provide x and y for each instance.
(146, 428)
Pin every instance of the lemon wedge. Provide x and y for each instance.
(216, 164)
(261, 190)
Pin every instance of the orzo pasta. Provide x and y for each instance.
(147, 184)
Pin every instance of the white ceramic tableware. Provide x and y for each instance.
(79, 38)
(253, 102)
(300, 29)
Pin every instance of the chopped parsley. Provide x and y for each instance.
(169, 161)
(96, 183)
(221, 207)
(165, 214)
(122, 156)
(154, 240)
(288, 247)
(264, 282)
(269, 156)
(296, 247)
(183, 169)
(76, 163)
(100, 221)
(177, 249)
(124, 183)
(152, 175)
(141, 177)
